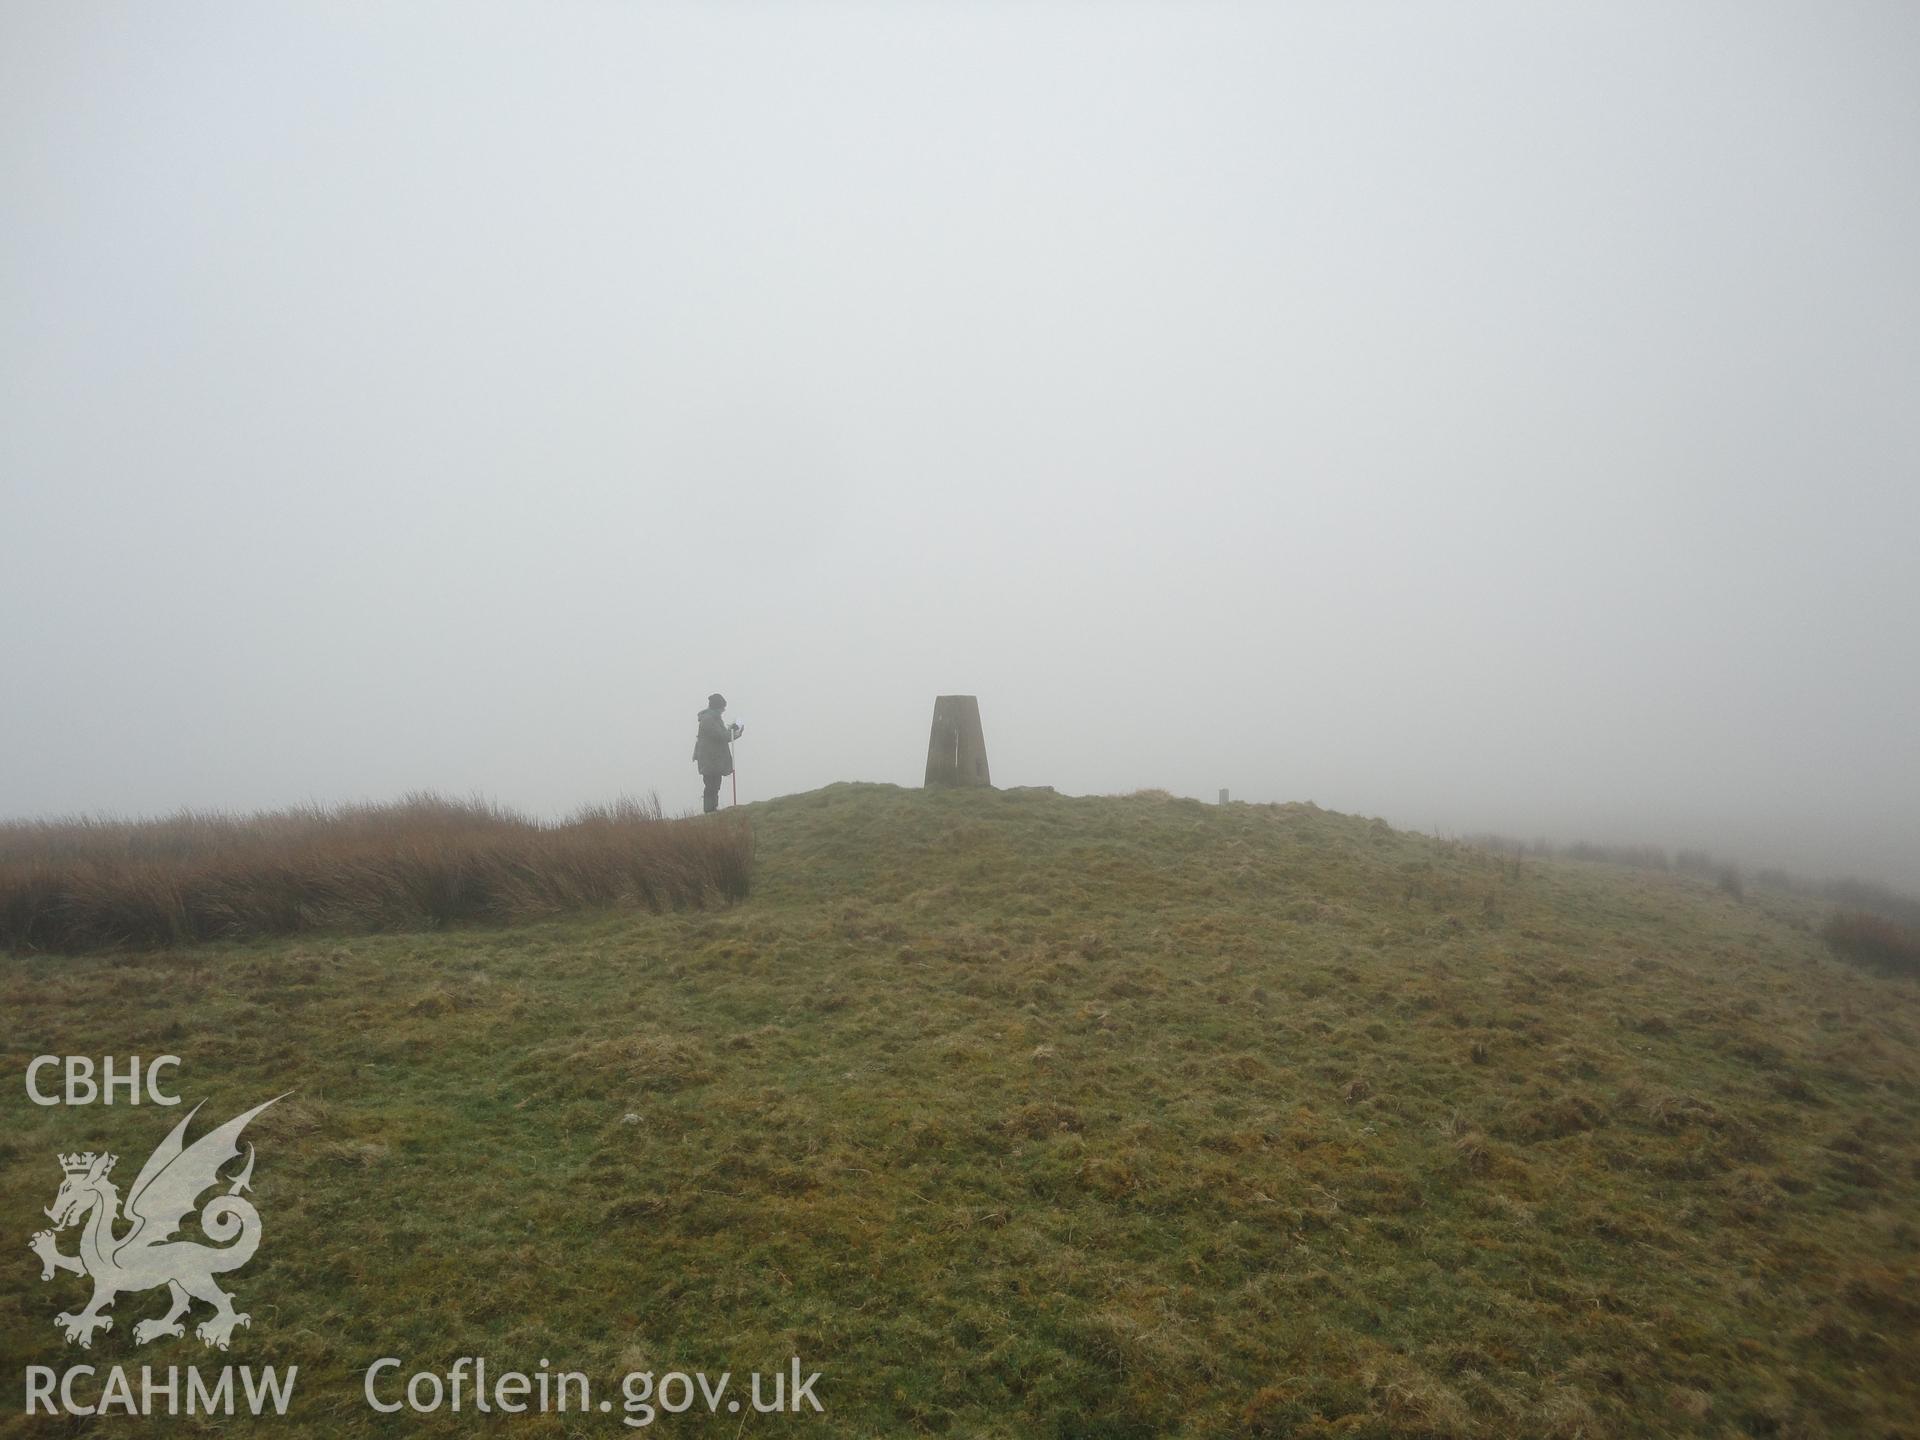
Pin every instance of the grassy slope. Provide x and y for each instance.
(1025, 1115)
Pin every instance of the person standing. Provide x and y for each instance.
(713, 750)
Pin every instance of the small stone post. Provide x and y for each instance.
(956, 750)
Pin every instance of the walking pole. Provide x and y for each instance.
(736, 785)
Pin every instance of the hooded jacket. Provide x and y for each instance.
(713, 750)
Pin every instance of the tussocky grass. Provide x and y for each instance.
(76, 885)
(1024, 1115)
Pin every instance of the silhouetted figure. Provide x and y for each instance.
(713, 750)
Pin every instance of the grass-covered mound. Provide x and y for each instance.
(1022, 1115)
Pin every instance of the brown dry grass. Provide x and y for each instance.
(1874, 941)
(421, 863)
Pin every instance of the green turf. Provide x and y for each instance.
(1020, 1115)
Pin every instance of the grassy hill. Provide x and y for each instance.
(1023, 1115)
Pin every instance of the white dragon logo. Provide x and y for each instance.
(169, 1185)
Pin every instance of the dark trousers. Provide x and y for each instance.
(710, 801)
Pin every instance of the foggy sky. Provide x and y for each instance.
(1490, 416)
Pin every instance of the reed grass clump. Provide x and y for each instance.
(424, 862)
(1874, 941)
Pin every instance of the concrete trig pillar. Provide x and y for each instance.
(956, 750)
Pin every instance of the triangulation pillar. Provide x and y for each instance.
(956, 751)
